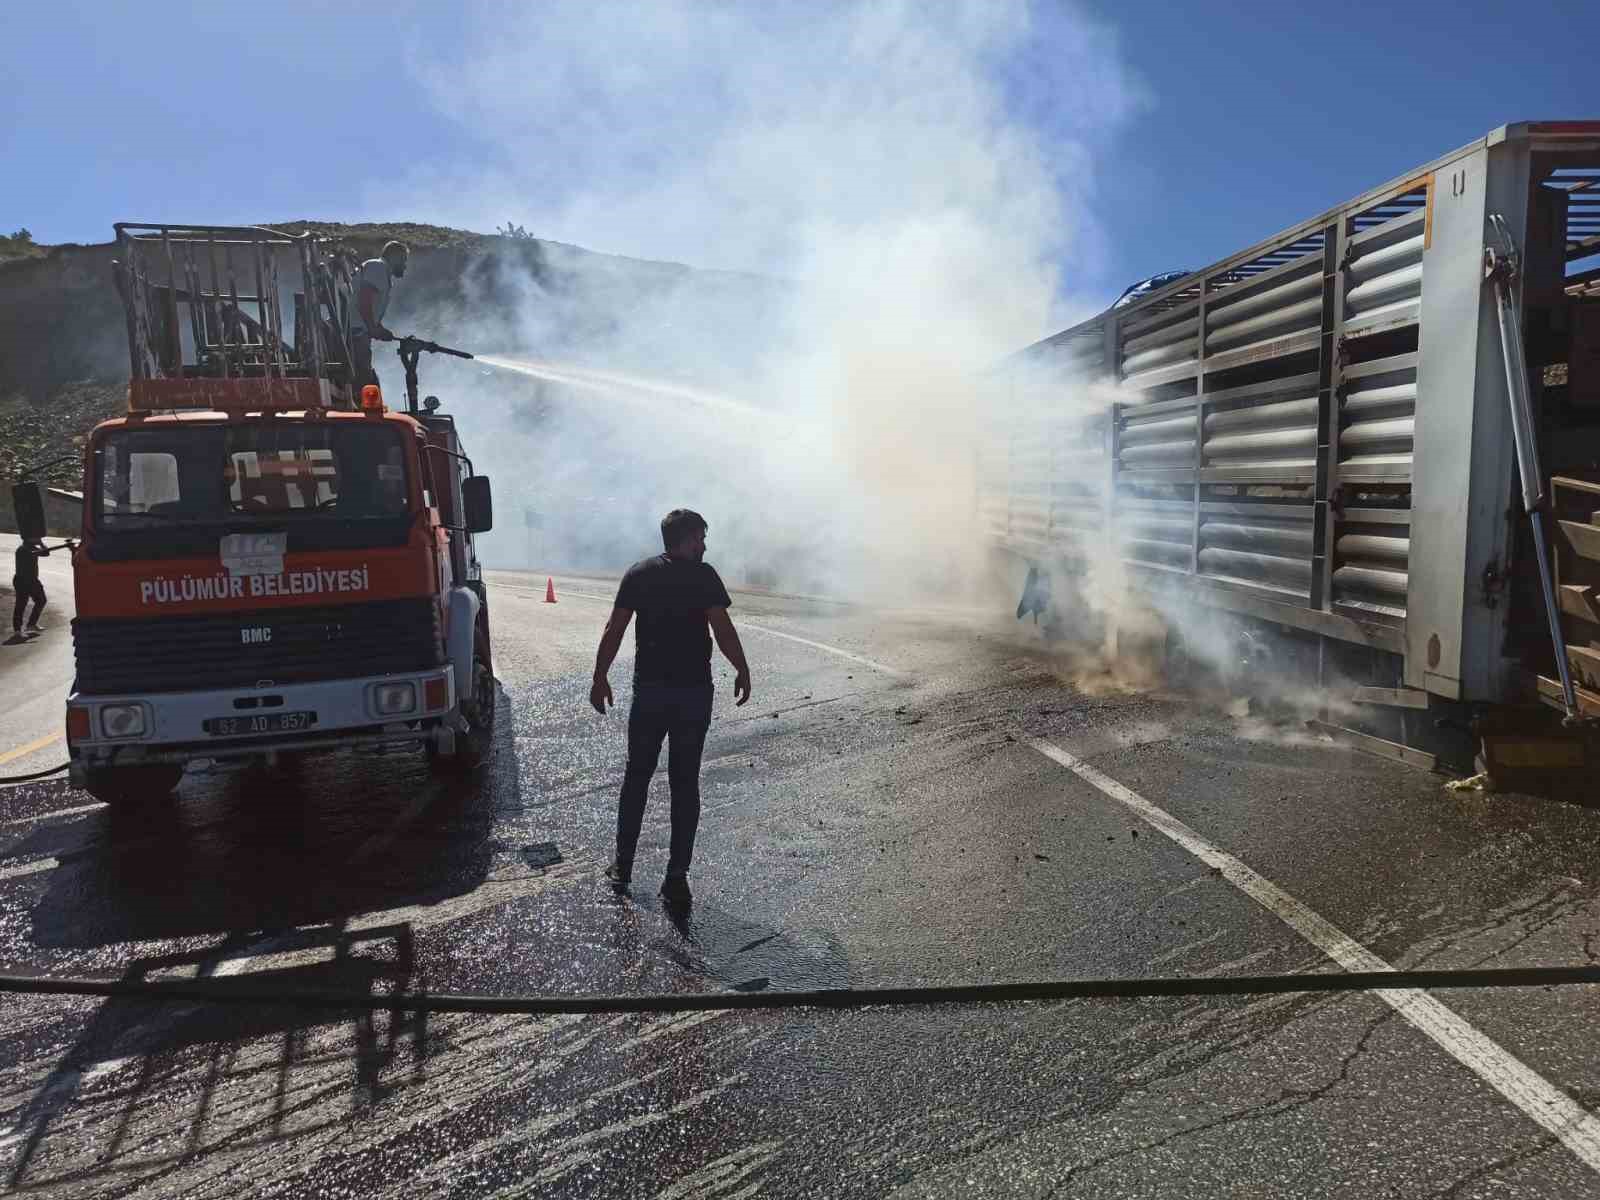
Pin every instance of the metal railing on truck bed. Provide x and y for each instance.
(235, 304)
(1315, 431)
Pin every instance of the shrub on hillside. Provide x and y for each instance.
(19, 245)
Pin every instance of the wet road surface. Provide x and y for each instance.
(879, 814)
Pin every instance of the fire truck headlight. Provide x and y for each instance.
(391, 699)
(122, 720)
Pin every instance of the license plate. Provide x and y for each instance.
(253, 553)
(284, 722)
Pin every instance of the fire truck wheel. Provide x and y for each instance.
(123, 786)
(474, 747)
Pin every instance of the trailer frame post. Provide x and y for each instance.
(1501, 267)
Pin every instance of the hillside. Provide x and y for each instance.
(19, 245)
(63, 345)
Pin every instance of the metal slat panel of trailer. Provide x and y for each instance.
(1315, 431)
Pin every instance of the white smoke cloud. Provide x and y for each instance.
(914, 176)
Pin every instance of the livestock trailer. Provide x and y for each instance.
(1314, 443)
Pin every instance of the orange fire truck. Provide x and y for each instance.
(272, 560)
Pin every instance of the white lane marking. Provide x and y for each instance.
(754, 593)
(1539, 1099)
(59, 812)
(866, 662)
(823, 646)
(570, 593)
(33, 868)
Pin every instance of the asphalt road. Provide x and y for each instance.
(885, 811)
(35, 672)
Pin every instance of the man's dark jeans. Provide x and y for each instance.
(680, 715)
(26, 590)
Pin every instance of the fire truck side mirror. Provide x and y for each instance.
(28, 502)
(478, 503)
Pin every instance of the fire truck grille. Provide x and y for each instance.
(285, 645)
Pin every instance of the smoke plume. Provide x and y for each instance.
(890, 190)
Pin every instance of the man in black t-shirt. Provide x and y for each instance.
(681, 605)
(25, 583)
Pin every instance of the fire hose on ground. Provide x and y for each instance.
(753, 995)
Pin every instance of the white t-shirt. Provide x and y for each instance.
(374, 273)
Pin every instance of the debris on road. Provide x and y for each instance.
(541, 855)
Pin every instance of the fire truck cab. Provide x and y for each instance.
(272, 559)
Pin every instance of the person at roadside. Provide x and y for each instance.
(681, 605)
(25, 582)
(373, 283)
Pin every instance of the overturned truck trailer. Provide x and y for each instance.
(1313, 445)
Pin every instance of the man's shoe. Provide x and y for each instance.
(618, 878)
(675, 890)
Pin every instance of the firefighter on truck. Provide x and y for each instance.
(272, 561)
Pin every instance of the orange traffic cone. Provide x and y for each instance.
(549, 590)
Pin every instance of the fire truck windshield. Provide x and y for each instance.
(270, 470)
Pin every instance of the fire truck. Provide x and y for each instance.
(273, 560)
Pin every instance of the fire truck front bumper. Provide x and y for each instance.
(224, 723)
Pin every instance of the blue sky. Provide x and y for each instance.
(1238, 119)
(1264, 115)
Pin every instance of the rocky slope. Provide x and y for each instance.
(63, 346)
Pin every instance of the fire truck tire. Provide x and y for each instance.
(124, 786)
(476, 745)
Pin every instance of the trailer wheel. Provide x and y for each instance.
(126, 786)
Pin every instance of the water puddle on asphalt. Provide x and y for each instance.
(742, 954)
